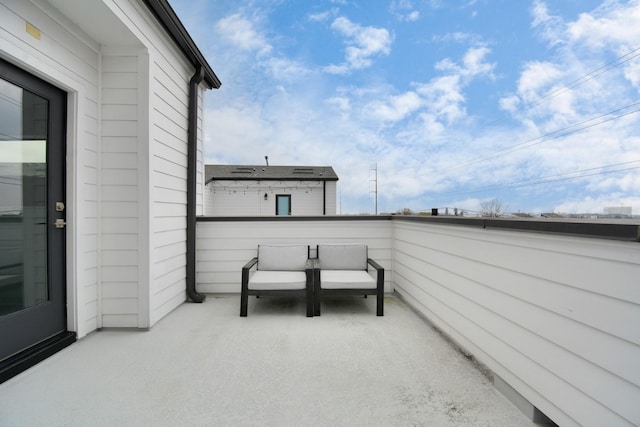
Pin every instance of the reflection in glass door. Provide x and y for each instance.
(23, 185)
(32, 260)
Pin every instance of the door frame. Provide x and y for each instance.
(58, 255)
(280, 197)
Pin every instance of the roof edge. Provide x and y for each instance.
(245, 178)
(165, 14)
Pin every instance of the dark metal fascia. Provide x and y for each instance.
(611, 231)
(275, 178)
(165, 14)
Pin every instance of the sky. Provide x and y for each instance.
(434, 103)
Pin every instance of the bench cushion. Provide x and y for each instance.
(282, 257)
(343, 257)
(346, 279)
(277, 280)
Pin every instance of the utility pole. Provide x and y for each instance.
(375, 180)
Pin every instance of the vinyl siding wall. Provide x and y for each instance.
(169, 180)
(233, 198)
(162, 166)
(126, 159)
(224, 247)
(120, 204)
(66, 58)
(332, 197)
(556, 317)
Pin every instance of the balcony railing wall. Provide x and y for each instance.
(225, 245)
(555, 316)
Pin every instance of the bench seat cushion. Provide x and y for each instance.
(346, 279)
(282, 257)
(277, 280)
(348, 256)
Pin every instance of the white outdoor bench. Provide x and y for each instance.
(278, 270)
(342, 269)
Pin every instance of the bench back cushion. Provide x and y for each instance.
(282, 257)
(343, 256)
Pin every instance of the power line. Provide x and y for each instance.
(586, 77)
(563, 132)
(589, 76)
(553, 135)
(553, 178)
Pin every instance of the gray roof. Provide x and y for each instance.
(270, 173)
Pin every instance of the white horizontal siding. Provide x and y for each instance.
(331, 197)
(246, 198)
(224, 247)
(162, 163)
(119, 180)
(556, 317)
(168, 179)
(68, 59)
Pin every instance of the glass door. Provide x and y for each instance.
(32, 235)
(283, 204)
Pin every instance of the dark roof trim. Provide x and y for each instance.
(612, 231)
(268, 173)
(172, 24)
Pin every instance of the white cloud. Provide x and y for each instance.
(323, 16)
(241, 32)
(404, 10)
(550, 28)
(536, 79)
(474, 63)
(363, 43)
(342, 103)
(286, 69)
(443, 96)
(596, 204)
(509, 103)
(397, 108)
(609, 24)
(413, 16)
(459, 37)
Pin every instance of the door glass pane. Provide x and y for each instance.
(23, 198)
(283, 205)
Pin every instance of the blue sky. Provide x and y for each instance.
(534, 103)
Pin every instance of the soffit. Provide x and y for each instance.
(96, 20)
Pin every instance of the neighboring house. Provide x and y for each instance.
(269, 190)
(102, 101)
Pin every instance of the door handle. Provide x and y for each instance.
(59, 223)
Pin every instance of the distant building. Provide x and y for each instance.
(232, 190)
(621, 211)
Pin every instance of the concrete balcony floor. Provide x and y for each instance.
(203, 365)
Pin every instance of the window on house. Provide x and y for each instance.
(283, 204)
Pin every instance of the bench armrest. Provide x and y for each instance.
(379, 279)
(251, 263)
(374, 264)
(245, 273)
